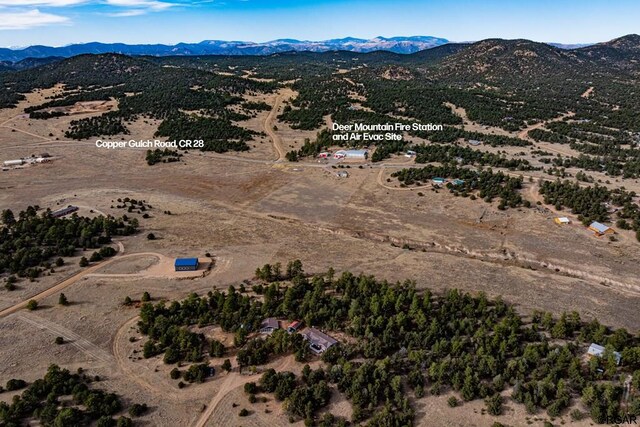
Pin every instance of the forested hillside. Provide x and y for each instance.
(402, 344)
(506, 84)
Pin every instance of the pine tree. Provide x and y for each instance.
(62, 300)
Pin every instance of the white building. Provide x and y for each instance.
(351, 154)
(13, 162)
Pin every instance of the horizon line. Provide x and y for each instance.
(249, 42)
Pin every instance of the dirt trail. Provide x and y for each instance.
(73, 279)
(5, 124)
(232, 382)
(524, 134)
(268, 125)
(137, 375)
(389, 187)
(82, 344)
(588, 92)
(58, 287)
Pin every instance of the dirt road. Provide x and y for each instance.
(57, 287)
(268, 127)
(587, 93)
(73, 279)
(524, 134)
(82, 344)
(232, 382)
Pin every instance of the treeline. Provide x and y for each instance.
(233, 311)
(486, 184)
(548, 136)
(106, 124)
(29, 242)
(256, 106)
(408, 99)
(219, 135)
(467, 156)
(64, 399)
(385, 149)
(452, 134)
(612, 158)
(44, 115)
(609, 165)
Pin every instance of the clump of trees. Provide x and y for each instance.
(107, 124)
(41, 400)
(462, 155)
(312, 148)
(303, 397)
(487, 184)
(29, 242)
(44, 115)
(219, 135)
(593, 203)
(165, 156)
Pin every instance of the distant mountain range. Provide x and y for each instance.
(623, 52)
(220, 47)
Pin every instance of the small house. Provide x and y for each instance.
(474, 142)
(457, 182)
(600, 229)
(319, 342)
(562, 220)
(410, 153)
(438, 181)
(269, 325)
(596, 350)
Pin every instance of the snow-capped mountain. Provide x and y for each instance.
(224, 47)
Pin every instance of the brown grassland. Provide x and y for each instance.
(247, 210)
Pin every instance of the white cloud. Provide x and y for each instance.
(30, 19)
(141, 4)
(49, 3)
(15, 14)
(125, 13)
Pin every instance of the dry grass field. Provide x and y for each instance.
(247, 210)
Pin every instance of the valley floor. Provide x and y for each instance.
(247, 210)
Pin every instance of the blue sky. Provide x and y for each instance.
(60, 22)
